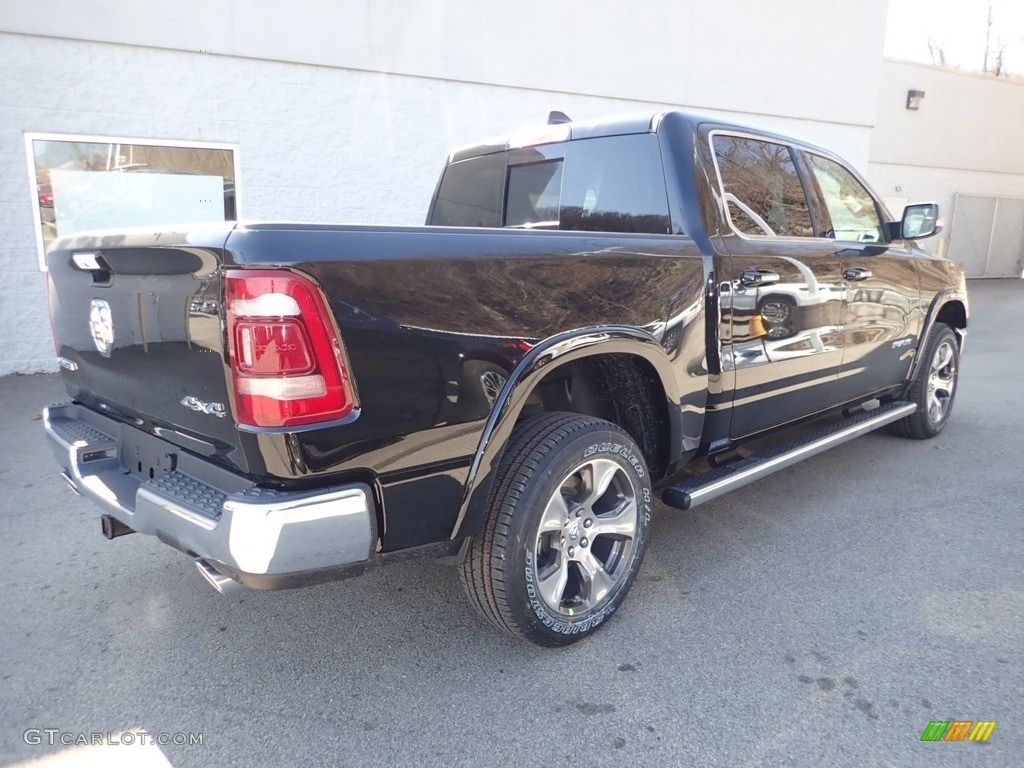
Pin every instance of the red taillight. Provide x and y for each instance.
(275, 347)
(286, 359)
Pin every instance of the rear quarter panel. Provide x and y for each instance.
(415, 306)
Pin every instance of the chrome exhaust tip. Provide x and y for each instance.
(223, 584)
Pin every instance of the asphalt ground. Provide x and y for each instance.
(822, 617)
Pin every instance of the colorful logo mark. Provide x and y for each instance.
(958, 730)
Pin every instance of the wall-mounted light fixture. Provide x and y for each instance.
(914, 99)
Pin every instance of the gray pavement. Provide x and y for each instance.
(822, 617)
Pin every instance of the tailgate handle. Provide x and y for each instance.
(87, 260)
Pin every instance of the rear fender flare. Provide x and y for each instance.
(535, 365)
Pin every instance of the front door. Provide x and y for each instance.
(881, 306)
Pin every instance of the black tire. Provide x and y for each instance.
(934, 386)
(535, 572)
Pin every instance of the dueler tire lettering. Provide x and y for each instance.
(566, 529)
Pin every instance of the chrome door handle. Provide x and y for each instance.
(856, 273)
(756, 277)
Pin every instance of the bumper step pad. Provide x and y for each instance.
(73, 432)
(190, 493)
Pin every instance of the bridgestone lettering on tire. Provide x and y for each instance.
(566, 529)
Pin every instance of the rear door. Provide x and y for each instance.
(782, 293)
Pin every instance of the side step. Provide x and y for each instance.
(710, 485)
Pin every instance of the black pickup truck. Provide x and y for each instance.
(595, 311)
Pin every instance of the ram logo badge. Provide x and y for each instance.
(212, 409)
(101, 326)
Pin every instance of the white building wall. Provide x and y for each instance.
(966, 121)
(344, 112)
(965, 138)
(782, 58)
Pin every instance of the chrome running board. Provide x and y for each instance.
(694, 491)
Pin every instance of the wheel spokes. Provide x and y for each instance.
(941, 382)
(585, 532)
(555, 514)
(597, 476)
(553, 579)
(597, 582)
(620, 523)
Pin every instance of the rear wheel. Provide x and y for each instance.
(566, 529)
(934, 386)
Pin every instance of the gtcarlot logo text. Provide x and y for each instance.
(53, 737)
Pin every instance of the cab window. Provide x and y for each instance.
(852, 210)
(615, 184)
(606, 184)
(602, 184)
(470, 193)
(534, 191)
(762, 188)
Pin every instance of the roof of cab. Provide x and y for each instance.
(614, 125)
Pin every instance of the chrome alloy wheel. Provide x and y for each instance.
(941, 382)
(586, 537)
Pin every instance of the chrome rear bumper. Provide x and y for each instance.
(258, 536)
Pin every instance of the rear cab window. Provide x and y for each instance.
(762, 190)
(602, 184)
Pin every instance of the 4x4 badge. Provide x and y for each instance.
(213, 409)
(101, 326)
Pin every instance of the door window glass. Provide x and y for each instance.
(762, 189)
(850, 206)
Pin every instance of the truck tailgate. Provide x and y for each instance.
(137, 325)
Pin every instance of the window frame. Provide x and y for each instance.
(87, 138)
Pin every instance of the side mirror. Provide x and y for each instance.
(920, 220)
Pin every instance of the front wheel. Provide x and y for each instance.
(566, 529)
(934, 385)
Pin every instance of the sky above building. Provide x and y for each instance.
(958, 27)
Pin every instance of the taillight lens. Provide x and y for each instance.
(272, 348)
(287, 363)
